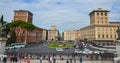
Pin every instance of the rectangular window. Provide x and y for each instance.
(98, 29)
(110, 36)
(106, 21)
(106, 28)
(110, 29)
(101, 18)
(98, 36)
(97, 14)
(102, 36)
(98, 18)
(106, 14)
(115, 36)
(106, 36)
(106, 18)
(102, 28)
(101, 14)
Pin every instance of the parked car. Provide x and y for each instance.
(59, 49)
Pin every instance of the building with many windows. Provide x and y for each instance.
(100, 30)
(23, 15)
(24, 35)
(70, 35)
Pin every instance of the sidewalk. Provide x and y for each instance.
(64, 61)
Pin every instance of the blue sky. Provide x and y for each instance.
(65, 14)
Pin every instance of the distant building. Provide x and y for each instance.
(29, 36)
(71, 34)
(53, 33)
(100, 30)
(44, 34)
(23, 15)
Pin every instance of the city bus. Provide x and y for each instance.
(17, 45)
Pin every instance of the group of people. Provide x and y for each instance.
(10, 59)
(27, 59)
(51, 59)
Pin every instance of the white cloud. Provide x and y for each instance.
(65, 14)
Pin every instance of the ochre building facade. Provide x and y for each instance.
(71, 35)
(53, 34)
(100, 30)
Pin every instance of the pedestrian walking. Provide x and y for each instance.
(70, 60)
(28, 60)
(54, 60)
(80, 60)
(48, 59)
(15, 58)
(1, 58)
(67, 61)
(74, 59)
(40, 58)
(4, 60)
(8, 59)
(25, 59)
(51, 59)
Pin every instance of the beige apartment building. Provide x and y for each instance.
(70, 35)
(100, 30)
(53, 33)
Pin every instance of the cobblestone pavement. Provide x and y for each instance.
(62, 61)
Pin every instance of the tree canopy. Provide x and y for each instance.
(26, 26)
(21, 24)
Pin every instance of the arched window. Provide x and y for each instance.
(98, 14)
(18, 34)
(101, 14)
(105, 14)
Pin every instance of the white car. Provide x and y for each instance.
(59, 49)
(78, 51)
(97, 52)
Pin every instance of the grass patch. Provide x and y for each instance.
(60, 45)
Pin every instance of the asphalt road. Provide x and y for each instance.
(41, 48)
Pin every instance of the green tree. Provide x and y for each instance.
(26, 26)
(12, 37)
(22, 24)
